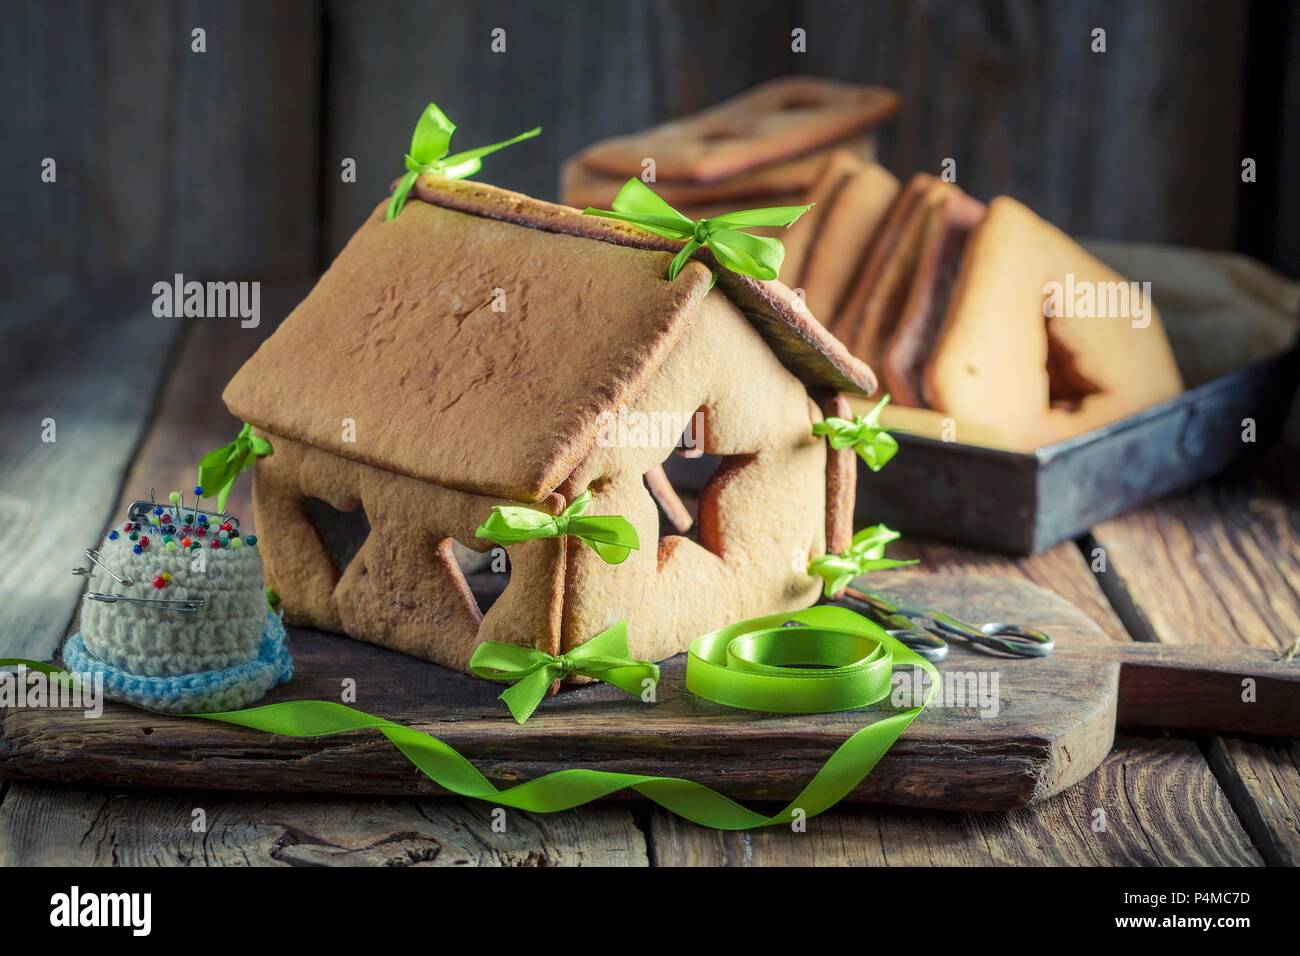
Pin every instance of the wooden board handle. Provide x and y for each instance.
(1205, 689)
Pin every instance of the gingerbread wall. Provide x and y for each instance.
(402, 589)
(762, 515)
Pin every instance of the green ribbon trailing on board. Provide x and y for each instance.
(865, 553)
(429, 145)
(831, 659)
(864, 434)
(219, 468)
(604, 658)
(610, 536)
(757, 256)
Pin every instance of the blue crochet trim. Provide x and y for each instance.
(204, 692)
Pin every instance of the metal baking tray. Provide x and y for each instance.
(1234, 326)
(1024, 503)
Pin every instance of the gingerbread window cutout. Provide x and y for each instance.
(675, 515)
(466, 578)
(342, 533)
(486, 573)
(698, 467)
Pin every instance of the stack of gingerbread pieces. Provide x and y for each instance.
(943, 295)
(789, 141)
(953, 310)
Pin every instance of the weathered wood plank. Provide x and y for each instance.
(1158, 800)
(1221, 565)
(1062, 569)
(583, 70)
(90, 362)
(1202, 689)
(73, 826)
(1218, 565)
(1014, 94)
(388, 60)
(168, 159)
(190, 418)
(1260, 778)
(1270, 206)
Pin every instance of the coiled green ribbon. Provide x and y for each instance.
(531, 672)
(781, 665)
(865, 553)
(611, 536)
(730, 666)
(219, 468)
(864, 434)
(758, 256)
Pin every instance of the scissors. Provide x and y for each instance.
(924, 629)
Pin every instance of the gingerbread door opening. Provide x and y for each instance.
(342, 533)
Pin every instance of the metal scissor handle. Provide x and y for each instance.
(898, 626)
(1027, 641)
(930, 646)
(897, 619)
(1013, 639)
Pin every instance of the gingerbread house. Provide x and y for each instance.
(481, 349)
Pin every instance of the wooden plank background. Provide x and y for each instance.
(226, 165)
(228, 162)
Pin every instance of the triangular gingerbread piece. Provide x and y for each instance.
(1002, 358)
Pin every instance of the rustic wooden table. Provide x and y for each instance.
(135, 400)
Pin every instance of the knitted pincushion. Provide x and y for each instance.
(153, 642)
(228, 688)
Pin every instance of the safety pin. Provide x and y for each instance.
(94, 556)
(185, 606)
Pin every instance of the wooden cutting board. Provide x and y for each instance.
(1055, 721)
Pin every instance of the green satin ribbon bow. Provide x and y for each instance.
(832, 637)
(610, 536)
(865, 553)
(758, 256)
(531, 672)
(864, 434)
(429, 145)
(219, 468)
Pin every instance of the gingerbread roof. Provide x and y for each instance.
(476, 339)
